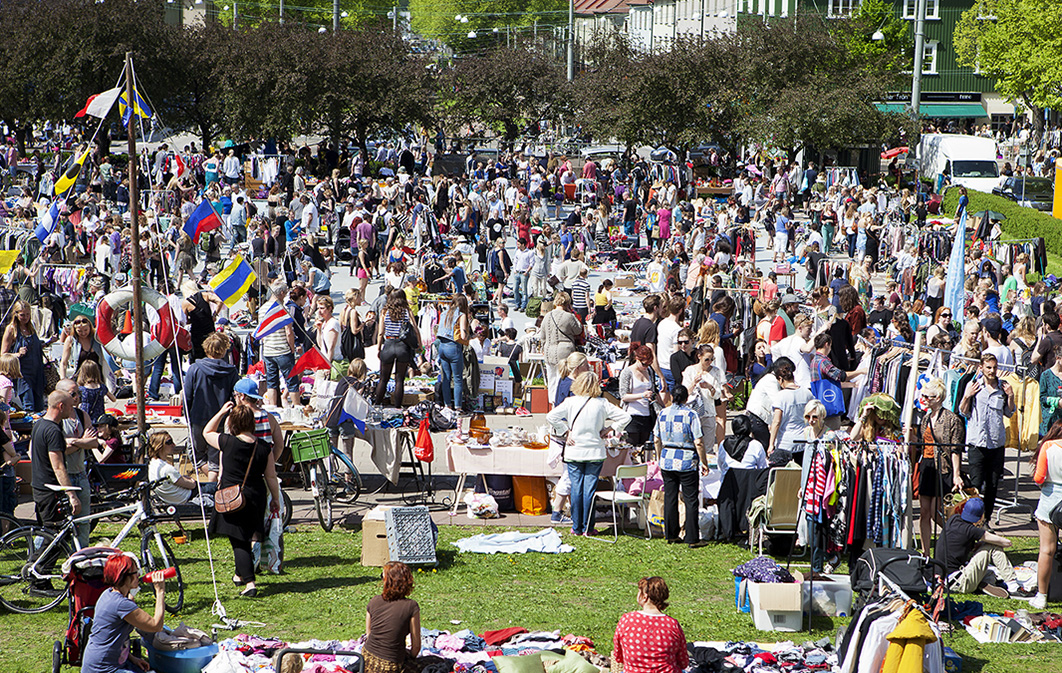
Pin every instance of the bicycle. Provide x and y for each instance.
(323, 472)
(30, 556)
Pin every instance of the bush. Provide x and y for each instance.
(1021, 222)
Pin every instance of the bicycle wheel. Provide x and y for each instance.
(322, 493)
(344, 477)
(21, 590)
(287, 509)
(155, 554)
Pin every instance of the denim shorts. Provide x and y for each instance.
(276, 364)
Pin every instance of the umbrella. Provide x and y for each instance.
(752, 169)
(895, 152)
(992, 215)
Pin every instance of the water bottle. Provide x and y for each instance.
(167, 573)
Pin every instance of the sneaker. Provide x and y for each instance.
(996, 591)
(1038, 602)
(561, 519)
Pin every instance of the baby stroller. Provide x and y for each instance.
(84, 576)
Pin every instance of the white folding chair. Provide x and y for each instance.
(617, 497)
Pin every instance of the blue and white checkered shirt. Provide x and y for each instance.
(678, 428)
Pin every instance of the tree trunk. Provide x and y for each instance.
(360, 131)
(206, 136)
(20, 137)
(511, 131)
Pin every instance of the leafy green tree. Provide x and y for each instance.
(893, 51)
(310, 13)
(678, 97)
(437, 19)
(193, 99)
(1017, 43)
(508, 88)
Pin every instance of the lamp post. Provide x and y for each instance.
(571, 40)
(920, 42)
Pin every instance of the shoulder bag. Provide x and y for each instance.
(230, 498)
(566, 440)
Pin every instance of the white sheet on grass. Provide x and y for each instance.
(546, 541)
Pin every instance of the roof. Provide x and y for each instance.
(590, 7)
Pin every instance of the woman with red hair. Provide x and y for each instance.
(117, 615)
(389, 619)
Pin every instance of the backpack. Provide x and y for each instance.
(534, 307)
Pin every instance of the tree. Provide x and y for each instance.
(437, 19)
(508, 88)
(1016, 42)
(369, 80)
(310, 13)
(802, 86)
(193, 99)
(54, 60)
(678, 97)
(893, 52)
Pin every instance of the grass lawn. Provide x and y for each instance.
(324, 590)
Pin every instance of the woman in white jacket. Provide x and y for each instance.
(584, 416)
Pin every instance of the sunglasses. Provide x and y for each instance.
(683, 342)
(811, 417)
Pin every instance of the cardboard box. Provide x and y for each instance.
(410, 399)
(374, 549)
(777, 607)
(624, 281)
(833, 597)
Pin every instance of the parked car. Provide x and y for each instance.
(1038, 193)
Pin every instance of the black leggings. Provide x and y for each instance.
(394, 355)
(244, 559)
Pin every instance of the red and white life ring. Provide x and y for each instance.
(156, 341)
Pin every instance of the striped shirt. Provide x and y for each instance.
(581, 293)
(262, 429)
(392, 328)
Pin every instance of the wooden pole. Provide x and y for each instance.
(134, 220)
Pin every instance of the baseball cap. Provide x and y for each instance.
(249, 387)
(973, 510)
(992, 325)
(106, 419)
(790, 299)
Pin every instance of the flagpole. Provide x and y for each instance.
(134, 219)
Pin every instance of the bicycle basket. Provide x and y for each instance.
(310, 445)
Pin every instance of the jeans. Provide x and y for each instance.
(668, 378)
(451, 368)
(827, 239)
(986, 469)
(584, 485)
(85, 496)
(520, 295)
(274, 365)
(691, 492)
(156, 373)
(394, 356)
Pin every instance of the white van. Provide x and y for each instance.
(964, 160)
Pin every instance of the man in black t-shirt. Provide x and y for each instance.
(643, 332)
(966, 550)
(630, 213)
(48, 461)
(1052, 338)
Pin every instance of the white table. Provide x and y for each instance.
(465, 459)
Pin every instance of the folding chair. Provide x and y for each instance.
(783, 503)
(618, 497)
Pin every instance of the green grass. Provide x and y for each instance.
(324, 590)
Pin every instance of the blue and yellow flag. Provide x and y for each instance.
(233, 282)
(142, 109)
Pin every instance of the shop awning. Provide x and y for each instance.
(949, 110)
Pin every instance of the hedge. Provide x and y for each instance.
(1021, 222)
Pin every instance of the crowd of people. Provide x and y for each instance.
(503, 238)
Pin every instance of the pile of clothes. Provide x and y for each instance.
(732, 657)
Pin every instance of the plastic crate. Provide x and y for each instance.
(310, 445)
(410, 535)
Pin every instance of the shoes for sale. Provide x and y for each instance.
(995, 591)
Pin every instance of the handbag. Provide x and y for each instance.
(230, 498)
(51, 376)
(1056, 515)
(408, 336)
(829, 393)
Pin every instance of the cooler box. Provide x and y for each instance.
(833, 597)
(180, 661)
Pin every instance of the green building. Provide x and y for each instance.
(951, 94)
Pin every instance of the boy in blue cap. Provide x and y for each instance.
(966, 549)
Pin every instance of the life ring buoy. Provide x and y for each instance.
(155, 342)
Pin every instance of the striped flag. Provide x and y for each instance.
(50, 219)
(233, 281)
(355, 409)
(954, 284)
(273, 317)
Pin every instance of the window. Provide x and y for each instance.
(910, 9)
(842, 7)
(929, 58)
